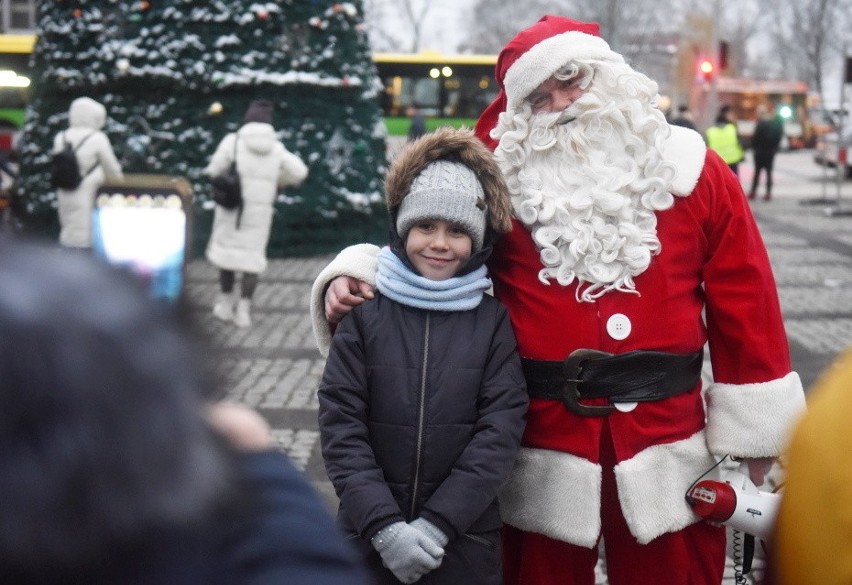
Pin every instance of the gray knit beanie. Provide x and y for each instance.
(445, 190)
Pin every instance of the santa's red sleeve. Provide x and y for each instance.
(755, 397)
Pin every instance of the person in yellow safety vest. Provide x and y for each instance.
(723, 137)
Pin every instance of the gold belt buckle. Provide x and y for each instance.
(570, 392)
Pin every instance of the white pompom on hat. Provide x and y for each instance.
(445, 190)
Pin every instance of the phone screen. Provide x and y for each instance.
(145, 233)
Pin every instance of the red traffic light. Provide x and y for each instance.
(706, 69)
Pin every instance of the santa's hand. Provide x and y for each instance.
(407, 552)
(343, 294)
(758, 467)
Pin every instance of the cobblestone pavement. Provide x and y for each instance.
(275, 367)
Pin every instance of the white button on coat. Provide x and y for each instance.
(618, 326)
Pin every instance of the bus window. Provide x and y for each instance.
(448, 89)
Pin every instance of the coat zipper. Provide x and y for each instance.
(420, 416)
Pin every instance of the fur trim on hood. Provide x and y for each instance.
(454, 145)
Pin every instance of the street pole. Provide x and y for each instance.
(842, 147)
(713, 94)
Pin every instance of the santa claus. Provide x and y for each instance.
(633, 248)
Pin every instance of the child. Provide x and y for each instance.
(422, 401)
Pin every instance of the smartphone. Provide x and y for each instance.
(145, 231)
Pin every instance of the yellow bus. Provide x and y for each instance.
(14, 86)
(447, 89)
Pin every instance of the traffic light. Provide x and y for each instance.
(723, 55)
(706, 69)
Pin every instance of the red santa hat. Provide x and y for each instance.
(533, 56)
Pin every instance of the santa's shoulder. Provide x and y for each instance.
(686, 150)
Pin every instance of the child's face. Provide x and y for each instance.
(437, 248)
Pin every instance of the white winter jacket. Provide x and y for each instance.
(86, 118)
(264, 164)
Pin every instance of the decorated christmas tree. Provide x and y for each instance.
(176, 75)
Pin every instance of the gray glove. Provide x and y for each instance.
(431, 531)
(406, 551)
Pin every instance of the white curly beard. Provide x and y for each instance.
(587, 189)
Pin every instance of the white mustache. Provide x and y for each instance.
(564, 117)
(551, 119)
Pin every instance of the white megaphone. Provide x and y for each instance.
(736, 502)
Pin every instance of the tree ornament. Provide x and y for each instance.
(262, 14)
(215, 109)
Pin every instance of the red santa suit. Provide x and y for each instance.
(709, 283)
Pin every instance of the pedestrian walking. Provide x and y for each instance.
(417, 127)
(239, 236)
(724, 138)
(96, 163)
(765, 143)
(422, 400)
(632, 247)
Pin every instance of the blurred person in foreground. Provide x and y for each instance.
(113, 470)
(812, 542)
(632, 247)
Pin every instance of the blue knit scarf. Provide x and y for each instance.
(396, 281)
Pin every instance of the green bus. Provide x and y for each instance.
(447, 89)
(14, 86)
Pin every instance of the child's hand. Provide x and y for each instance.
(407, 552)
(432, 531)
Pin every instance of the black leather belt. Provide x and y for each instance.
(635, 376)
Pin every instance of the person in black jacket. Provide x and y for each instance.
(765, 142)
(114, 468)
(422, 400)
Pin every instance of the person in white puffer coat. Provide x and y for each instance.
(86, 119)
(239, 237)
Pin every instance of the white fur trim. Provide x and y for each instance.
(685, 149)
(543, 60)
(651, 486)
(753, 420)
(359, 261)
(555, 494)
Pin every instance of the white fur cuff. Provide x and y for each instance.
(651, 486)
(555, 494)
(753, 420)
(358, 261)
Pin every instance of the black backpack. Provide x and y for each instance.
(227, 189)
(64, 168)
